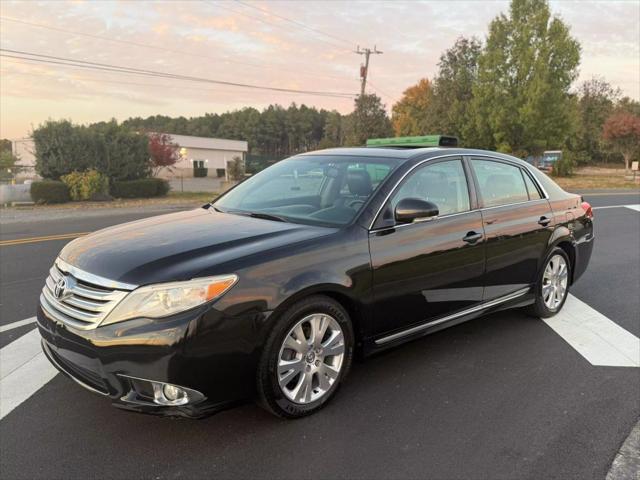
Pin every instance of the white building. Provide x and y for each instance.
(25, 150)
(203, 152)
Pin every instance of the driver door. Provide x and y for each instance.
(425, 270)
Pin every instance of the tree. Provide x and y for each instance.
(411, 115)
(333, 130)
(368, 120)
(8, 167)
(521, 99)
(163, 153)
(5, 145)
(622, 129)
(453, 91)
(596, 99)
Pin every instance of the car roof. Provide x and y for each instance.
(408, 153)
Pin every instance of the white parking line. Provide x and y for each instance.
(19, 323)
(632, 207)
(601, 341)
(23, 371)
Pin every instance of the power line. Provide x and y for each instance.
(164, 49)
(102, 80)
(262, 20)
(18, 54)
(379, 90)
(295, 22)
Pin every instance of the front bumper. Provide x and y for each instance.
(202, 350)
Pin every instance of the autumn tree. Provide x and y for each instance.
(163, 152)
(521, 99)
(622, 130)
(595, 103)
(368, 120)
(411, 115)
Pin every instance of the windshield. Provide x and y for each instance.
(318, 190)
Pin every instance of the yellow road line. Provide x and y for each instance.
(46, 238)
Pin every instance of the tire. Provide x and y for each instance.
(297, 377)
(544, 307)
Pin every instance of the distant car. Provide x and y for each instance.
(549, 159)
(268, 291)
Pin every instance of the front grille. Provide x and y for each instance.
(79, 304)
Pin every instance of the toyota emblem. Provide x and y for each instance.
(60, 287)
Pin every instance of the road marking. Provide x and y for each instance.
(601, 341)
(19, 323)
(46, 238)
(23, 371)
(632, 207)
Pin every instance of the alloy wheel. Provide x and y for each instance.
(554, 282)
(310, 358)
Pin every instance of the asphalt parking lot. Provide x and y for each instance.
(500, 397)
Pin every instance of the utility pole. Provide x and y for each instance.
(364, 69)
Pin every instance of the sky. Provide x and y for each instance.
(296, 45)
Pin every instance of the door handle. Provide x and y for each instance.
(544, 221)
(472, 237)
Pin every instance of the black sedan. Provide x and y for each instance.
(269, 291)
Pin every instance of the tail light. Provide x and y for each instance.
(588, 211)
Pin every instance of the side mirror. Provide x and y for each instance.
(411, 210)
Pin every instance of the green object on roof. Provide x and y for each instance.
(419, 141)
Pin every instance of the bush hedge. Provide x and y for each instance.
(49, 191)
(143, 188)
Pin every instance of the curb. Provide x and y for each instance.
(626, 465)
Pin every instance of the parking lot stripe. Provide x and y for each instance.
(599, 340)
(23, 371)
(19, 323)
(632, 207)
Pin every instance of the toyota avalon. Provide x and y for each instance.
(268, 292)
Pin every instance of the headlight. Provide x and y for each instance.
(163, 299)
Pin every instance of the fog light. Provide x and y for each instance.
(173, 393)
(166, 394)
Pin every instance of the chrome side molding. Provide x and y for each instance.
(448, 318)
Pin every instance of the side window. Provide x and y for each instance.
(499, 183)
(534, 193)
(442, 183)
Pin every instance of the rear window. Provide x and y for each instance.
(499, 183)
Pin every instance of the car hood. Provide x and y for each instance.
(178, 246)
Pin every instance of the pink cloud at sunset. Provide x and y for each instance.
(274, 44)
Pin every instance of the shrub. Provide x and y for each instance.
(564, 167)
(143, 188)
(236, 169)
(86, 185)
(49, 191)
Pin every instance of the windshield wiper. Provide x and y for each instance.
(266, 216)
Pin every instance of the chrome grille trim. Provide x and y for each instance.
(85, 303)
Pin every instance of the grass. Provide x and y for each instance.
(587, 182)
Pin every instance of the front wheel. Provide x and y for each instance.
(305, 358)
(552, 287)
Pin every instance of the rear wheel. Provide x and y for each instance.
(305, 358)
(552, 287)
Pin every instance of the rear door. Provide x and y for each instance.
(518, 223)
(425, 270)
